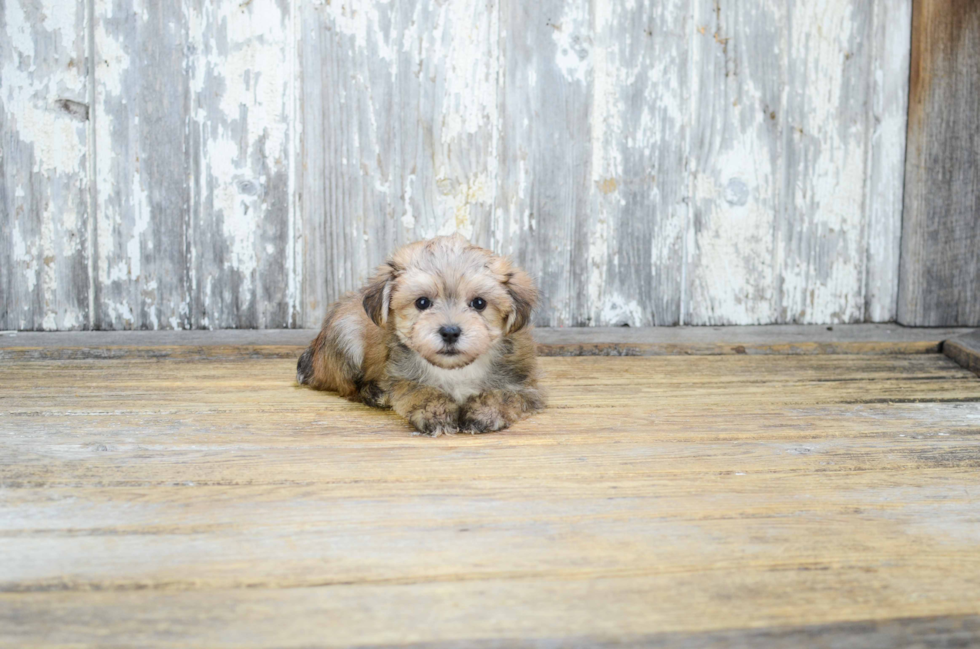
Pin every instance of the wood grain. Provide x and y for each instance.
(44, 173)
(940, 278)
(672, 500)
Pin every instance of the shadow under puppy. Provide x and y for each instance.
(440, 334)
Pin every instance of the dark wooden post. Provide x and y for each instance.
(940, 265)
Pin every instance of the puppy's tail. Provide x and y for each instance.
(304, 368)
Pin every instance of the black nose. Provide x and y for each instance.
(450, 334)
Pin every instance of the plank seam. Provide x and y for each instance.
(899, 315)
(869, 119)
(90, 164)
(295, 272)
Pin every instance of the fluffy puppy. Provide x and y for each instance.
(440, 334)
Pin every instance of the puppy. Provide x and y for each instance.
(440, 334)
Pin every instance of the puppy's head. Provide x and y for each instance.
(448, 300)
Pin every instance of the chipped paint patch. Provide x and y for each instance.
(573, 37)
(31, 99)
(617, 311)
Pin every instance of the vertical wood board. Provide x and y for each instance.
(542, 213)
(940, 276)
(44, 179)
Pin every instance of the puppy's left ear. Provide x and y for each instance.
(376, 296)
(523, 295)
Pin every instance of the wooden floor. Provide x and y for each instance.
(659, 501)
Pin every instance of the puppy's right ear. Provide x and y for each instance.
(376, 296)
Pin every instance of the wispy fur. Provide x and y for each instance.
(378, 347)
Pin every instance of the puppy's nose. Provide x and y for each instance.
(450, 334)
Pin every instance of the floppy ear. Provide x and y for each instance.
(523, 295)
(376, 296)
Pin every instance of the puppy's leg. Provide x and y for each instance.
(372, 394)
(497, 409)
(430, 411)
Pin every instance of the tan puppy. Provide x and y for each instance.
(440, 334)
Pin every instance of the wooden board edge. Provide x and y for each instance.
(163, 352)
(731, 349)
(248, 352)
(965, 350)
(931, 631)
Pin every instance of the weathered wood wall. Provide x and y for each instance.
(240, 164)
(940, 273)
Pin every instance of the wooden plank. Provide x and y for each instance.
(888, 124)
(965, 350)
(819, 232)
(796, 191)
(776, 499)
(251, 618)
(193, 182)
(44, 157)
(638, 184)
(867, 634)
(737, 146)
(545, 151)
(141, 165)
(240, 122)
(399, 106)
(940, 276)
(576, 341)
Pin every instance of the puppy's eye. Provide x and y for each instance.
(478, 303)
(423, 303)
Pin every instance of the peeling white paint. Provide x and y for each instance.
(360, 19)
(141, 221)
(29, 98)
(26, 254)
(408, 218)
(470, 102)
(573, 36)
(113, 61)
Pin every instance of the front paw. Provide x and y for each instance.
(435, 419)
(483, 415)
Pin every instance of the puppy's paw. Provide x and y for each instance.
(486, 413)
(486, 421)
(435, 419)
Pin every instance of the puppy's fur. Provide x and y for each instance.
(392, 345)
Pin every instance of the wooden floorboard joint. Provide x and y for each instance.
(864, 339)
